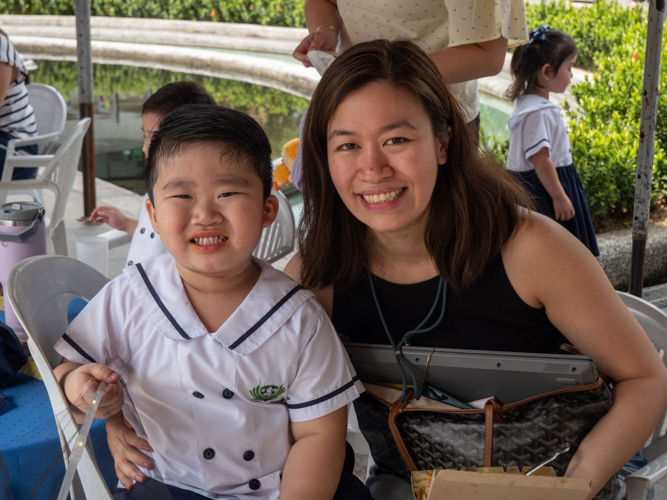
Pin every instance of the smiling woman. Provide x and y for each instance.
(402, 215)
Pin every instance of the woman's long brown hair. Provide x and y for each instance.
(474, 206)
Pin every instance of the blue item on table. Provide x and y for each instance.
(12, 355)
(29, 439)
(30, 444)
(5, 483)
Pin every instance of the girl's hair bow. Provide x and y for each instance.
(539, 34)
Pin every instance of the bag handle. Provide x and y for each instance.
(394, 410)
(492, 413)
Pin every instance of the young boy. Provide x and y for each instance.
(233, 372)
(145, 242)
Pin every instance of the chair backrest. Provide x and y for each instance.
(50, 112)
(41, 307)
(654, 323)
(277, 240)
(62, 169)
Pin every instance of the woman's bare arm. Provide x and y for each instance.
(548, 267)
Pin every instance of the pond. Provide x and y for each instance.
(121, 90)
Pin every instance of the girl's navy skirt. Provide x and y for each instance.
(580, 225)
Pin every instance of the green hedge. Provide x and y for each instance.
(266, 12)
(604, 129)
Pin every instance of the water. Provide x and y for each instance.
(120, 92)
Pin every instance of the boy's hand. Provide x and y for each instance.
(113, 217)
(563, 208)
(81, 383)
(124, 445)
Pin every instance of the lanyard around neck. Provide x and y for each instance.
(403, 364)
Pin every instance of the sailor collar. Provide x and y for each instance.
(159, 290)
(527, 104)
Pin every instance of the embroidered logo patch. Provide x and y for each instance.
(266, 392)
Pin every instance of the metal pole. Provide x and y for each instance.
(656, 17)
(84, 59)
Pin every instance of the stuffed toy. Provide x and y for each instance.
(282, 172)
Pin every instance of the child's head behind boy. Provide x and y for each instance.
(165, 100)
(208, 178)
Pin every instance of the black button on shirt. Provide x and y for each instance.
(198, 395)
(227, 394)
(152, 235)
(209, 453)
(254, 484)
(143, 230)
(248, 455)
(129, 262)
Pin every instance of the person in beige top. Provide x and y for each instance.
(466, 40)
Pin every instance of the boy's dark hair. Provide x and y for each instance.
(240, 136)
(546, 46)
(474, 207)
(174, 95)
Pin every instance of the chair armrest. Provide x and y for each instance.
(16, 143)
(641, 481)
(116, 238)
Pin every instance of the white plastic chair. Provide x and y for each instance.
(654, 323)
(58, 176)
(277, 240)
(50, 116)
(41, 307)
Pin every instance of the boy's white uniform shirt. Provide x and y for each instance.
(537, 123)
(146, 243)
(216, 407)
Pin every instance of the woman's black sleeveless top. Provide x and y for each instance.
(488, 315)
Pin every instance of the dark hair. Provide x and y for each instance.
(240, 136)
(474, 206)
(176, 94)
(546, 46)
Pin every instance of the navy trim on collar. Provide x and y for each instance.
(254, 328)
(77, 348)
(323, 398)
(166, 312)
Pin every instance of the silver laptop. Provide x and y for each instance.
(472, 375)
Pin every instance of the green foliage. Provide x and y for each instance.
(266, 12)
(598, 29)
(604, 124)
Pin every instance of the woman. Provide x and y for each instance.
(397, 188)
(17, 120)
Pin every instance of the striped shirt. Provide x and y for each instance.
(16, 114)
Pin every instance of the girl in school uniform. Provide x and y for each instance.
(540, 154)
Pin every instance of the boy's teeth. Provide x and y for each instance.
(381, 198)
(209, 241)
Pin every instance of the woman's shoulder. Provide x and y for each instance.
(542, 256)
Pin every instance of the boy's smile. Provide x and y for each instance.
(209, 210)
(209, 241)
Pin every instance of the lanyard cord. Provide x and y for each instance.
(403, 364)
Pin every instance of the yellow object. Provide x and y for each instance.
(2, 303)
(30, 369)
(282, 173)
